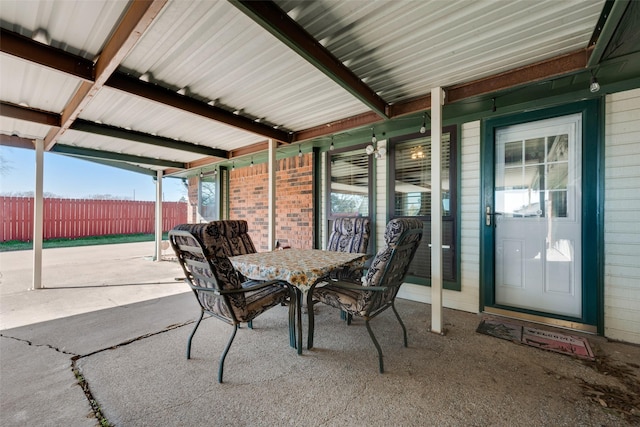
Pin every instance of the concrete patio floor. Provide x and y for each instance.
(118, 324)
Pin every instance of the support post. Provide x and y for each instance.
(158, 239)
(38, 220)
(272, 193)
(437, 100)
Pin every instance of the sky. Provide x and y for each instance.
(69, 177)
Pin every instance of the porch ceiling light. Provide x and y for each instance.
(331, 147)
(373, 148)
(594, 85)
(423, 128)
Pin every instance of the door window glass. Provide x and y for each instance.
(534, 181)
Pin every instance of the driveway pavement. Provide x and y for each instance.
(83, 279)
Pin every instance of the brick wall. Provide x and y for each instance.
(248, 199)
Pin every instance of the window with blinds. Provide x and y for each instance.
(410, 190)
(349, 184)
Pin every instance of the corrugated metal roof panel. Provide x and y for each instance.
(223, 55)
(34, 86)
(115, 108)
(404, 48)
(79, 27)
(23, 129)
(105, 143)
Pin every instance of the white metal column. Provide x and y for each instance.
(38, 204)
(158, 256)
(273, 144)
(437, 100)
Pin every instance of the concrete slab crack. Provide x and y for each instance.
(84, 384)
(38, 345)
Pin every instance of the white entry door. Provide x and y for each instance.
(537, 200)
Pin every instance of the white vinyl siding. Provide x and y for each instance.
(380, 185)
(622, 217)
(470, 216)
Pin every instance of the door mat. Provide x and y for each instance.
(546, 340)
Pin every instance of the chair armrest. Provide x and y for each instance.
(239, 290)
(355, 287)
(251, 288)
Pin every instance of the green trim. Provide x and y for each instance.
(158, 141)
(219, 192)
(315, 191)
(120, 165)
(109, 155)
(225, 179)
(612, 14)
(600, 199)
(458, 284)
(592, 195)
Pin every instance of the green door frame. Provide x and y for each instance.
(592, 206)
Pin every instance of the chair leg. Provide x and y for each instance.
(250, 324)
(375, 342)
(293, 304)
(224, 353)
(404, 330)
(193, 333)
(311, 320)
(346, 317)
(299, 318)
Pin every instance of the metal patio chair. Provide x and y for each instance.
(378, 290)
(219, 290)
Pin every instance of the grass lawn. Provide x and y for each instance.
(15, 245)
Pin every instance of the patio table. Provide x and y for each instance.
(301, 268)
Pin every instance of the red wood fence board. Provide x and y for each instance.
(74, 218)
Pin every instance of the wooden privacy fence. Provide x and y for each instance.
(73, 218)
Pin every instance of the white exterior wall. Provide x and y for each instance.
(380, 184)
(622, 217)
(468, 299)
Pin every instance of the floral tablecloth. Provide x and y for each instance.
(300, 267)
